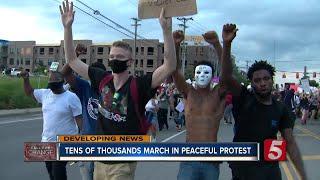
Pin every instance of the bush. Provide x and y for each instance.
(12, 94)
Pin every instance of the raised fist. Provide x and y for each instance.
(229, 32)
(24, 74)
(211, 37)
(81, 49)
(178, 37)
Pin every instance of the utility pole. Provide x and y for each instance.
(274, 53)
(136, 20)
(247, 65)
(184, 26)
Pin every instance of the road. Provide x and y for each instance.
(15, 130)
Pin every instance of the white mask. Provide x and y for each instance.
(203, 75)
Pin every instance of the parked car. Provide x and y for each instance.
(14, 72)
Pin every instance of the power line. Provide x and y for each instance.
(204, 27)
(97, 12)
(198, 27)
(99, 20)
(184, 26)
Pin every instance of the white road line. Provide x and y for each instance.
(22, 120)
(171, 137)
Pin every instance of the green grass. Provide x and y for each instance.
(12, 94)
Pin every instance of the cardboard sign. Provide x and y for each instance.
(152, 8)
(54, 66)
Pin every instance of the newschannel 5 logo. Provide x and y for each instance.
(275, 150)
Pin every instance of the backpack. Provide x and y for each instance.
(144, 124)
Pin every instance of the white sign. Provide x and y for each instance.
(54, 66)
(305, 85)
(152, 8)
(180, 106)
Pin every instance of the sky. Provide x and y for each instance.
(286, 32)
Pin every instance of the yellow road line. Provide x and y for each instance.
(308, 132)
(301, 135)
(311, 157)
(286, 170)
(293, 167)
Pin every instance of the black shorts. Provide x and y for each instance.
(256, 172)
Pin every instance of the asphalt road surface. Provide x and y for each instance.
(15, 130)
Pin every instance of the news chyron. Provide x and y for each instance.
(140, 148)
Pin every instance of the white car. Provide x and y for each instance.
(15, 72)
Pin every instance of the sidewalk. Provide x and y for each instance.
(10, 112)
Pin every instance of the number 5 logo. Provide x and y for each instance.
(275, 150)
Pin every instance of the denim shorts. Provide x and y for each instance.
(198, 170)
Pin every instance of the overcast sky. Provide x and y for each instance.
(280, 30)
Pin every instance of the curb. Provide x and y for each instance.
(9, 112)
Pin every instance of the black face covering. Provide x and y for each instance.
(54, 86)
(118, 66)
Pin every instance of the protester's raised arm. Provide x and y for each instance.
(227, 80)
(67, 17)
(169, 64)
(177, 75)
(212, 38)
(28, 90)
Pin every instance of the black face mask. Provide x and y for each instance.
(118, 66)
(54, 86)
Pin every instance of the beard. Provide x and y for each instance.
(262, 95)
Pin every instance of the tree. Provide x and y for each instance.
(313, 83)
(240, 77)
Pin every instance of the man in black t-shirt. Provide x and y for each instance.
(259, 117)
(120, 111)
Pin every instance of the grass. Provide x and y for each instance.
(12, 94)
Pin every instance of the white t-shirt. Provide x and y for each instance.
(58, 112)
(150, 106)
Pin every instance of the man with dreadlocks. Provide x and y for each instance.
(259, 117)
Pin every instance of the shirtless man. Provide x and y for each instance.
(204, 106)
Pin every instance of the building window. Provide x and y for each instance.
(57, 51)
(141, 62)
(137, 49)
(150, 63)
(185, 63)
(11, 50)
(40, 62)
(50, 50)
(84, 60)
(100, 60)
(201, 51)
(18, 51)
(41, 51)
(27, 61)
(50, 62)
(162, 49)
(100, 50)
(17, 61)
(11, 61)
(21, 61)
(150, 50)
(162, 61)
(142, 51)
(136, 63)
